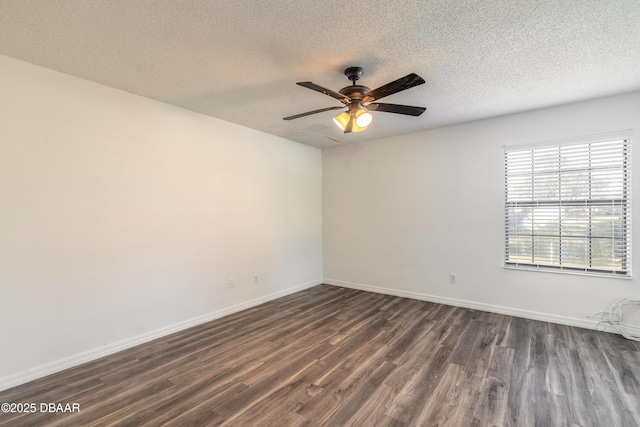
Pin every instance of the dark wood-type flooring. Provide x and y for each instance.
(341, 357)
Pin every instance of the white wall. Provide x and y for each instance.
(402, 213)
(122, 218)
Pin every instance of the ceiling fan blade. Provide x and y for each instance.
(395, 86)
(395, 108)
(324, 90)
(349, 125)
(308, 113)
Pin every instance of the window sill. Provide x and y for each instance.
(568, 271)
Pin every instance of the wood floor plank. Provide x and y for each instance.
(446, 400)
(372, 412)
(608, 400)
(492, 403)
(417, 391)
(359, 395)
(340, 381)
(289, 397)
(330, 356)
(415, 358)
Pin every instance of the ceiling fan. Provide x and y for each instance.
(359, 99)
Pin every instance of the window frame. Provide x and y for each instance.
(624, 202)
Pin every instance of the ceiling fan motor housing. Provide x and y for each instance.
(354, 92)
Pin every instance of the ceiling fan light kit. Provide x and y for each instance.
(362, 120)
(358, 100)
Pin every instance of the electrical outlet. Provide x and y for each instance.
(232, 283)
(255, 279)
(452, 278)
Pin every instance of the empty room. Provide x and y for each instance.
(326, 213)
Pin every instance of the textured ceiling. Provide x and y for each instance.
(239, 60)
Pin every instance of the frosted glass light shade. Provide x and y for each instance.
(341, 120)
(363, 118)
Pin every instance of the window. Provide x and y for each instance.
(568, 207)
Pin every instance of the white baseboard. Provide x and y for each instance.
(87, 356)
(533, 315)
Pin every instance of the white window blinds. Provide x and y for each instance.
(568, 207)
